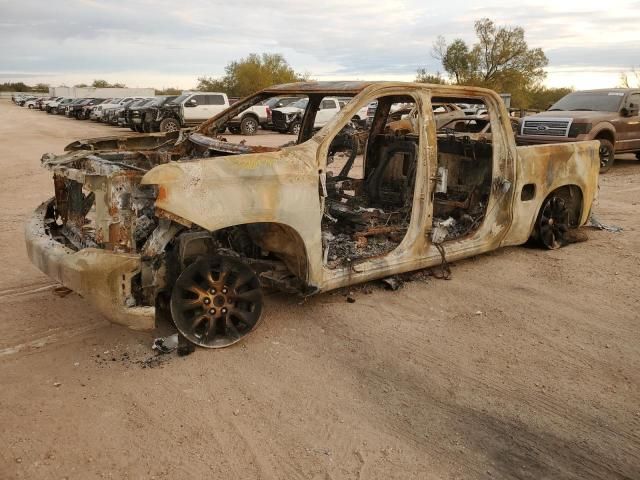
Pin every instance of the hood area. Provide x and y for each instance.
(578, 116)
(289, 110)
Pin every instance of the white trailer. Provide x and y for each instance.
(92, 92)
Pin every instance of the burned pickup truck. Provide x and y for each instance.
(189, 226)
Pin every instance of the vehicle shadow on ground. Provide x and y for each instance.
(493, 443)
(433, 408)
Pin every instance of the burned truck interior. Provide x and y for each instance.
(367, 188)
(371, 176)
(465, 164)
(368, 191)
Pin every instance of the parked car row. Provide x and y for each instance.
(160, 113)
(170, 113)
(122, 112)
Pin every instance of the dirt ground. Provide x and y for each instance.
(526, 364)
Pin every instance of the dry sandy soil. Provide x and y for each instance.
(525, 365)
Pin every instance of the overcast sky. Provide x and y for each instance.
(159, 43)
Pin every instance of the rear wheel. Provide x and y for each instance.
(638, 155)
(607, 154)
(169, 125)
(216, 301)
(249, 126)
(553, 223)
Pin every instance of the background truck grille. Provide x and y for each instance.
(556, 127)
(279, 120)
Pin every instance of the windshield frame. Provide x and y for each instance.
(179, 99)
(295, 104)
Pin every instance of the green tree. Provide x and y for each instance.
(425, 77)
(501, 60)
(41, 88)
(169, 91)
(100, 84)
(630, 79)
(456, 59)
(541, 98)
(210, 84)
(14, 87)
(105, 84)
(81, 85)
(250, 74)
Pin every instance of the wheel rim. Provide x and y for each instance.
(216, 301)
(553, 223)
(250, 127)
(296, 129)
(606, 155)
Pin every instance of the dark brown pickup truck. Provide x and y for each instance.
(610, 116)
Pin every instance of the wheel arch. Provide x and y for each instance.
(574, 197)
(253, 115)
(286, 242)
(606, 133)
(279, 238)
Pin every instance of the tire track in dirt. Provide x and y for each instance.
(29, 289)
(57, 336)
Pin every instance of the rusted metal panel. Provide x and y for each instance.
(329, 88)
(549, 167)
(102, 277)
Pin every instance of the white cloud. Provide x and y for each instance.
(166, 43)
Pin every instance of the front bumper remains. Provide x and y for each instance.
(102, 277)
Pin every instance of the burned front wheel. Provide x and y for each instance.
(553, 223)
(216, 301)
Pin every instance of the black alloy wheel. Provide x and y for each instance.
(607, 155)
(216, 301)
(553, 223)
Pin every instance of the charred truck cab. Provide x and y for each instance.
(190, 225)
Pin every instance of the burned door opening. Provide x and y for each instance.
(464, 177)
(370, 182)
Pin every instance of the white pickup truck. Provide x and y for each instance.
(288, 119)
(190, 108)
(52, 105)
(249, 120)
(98, 112)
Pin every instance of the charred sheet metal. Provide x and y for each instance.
(115, 192)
